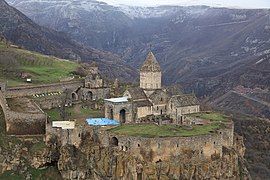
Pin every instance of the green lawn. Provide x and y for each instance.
(41, 68)
(151, 130)
(74, 113)
(213, 116)
(51, 72)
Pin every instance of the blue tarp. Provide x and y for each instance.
(102, 122)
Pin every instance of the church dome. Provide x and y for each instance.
(150, 64)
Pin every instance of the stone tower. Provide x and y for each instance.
(150, 73)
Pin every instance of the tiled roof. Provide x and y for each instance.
(185, 100)
(143, 103)
(137, 93)
(150, 64)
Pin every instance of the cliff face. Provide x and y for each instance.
(94, 162)
(28, 158)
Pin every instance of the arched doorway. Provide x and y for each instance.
(114, 141)
(123, 116)
(89, 95)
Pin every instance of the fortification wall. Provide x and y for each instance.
(40, 89)
(25, 123)
(195, 147)
(18, 123)
(166, 148)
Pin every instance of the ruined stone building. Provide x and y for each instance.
(94, 87)
(150, 98)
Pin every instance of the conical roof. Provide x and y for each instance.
(150, 64)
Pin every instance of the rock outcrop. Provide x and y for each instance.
(94, 162)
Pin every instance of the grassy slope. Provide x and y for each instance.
(151, 130)
(212, 116)
(43, 69)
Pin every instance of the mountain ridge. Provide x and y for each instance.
(22, 31)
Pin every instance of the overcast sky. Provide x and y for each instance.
(217, 3)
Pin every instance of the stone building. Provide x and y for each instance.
(94, 88)
(150, 98)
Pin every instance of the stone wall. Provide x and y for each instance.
(113, 111)
(202, 147)
(19, 123)
(159, 109)
(150, 80)
(49, 102)
(113, 163)
(100, 93)
(65, 136)
(2, 86)
(40, 89)
(177, 112)
(143, 111)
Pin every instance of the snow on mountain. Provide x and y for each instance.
(147, 12)
(91, 5)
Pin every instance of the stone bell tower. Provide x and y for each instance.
(150, 74)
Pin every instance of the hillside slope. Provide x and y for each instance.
(20, 30)
(16, 65)
(207, 50)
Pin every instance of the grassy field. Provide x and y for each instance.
(152, 130)
(41, 68)
(75, 112)
(213, 116)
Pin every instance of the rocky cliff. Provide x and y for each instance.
(94, 162)
(30, 158)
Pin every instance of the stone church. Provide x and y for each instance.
(150, 98)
